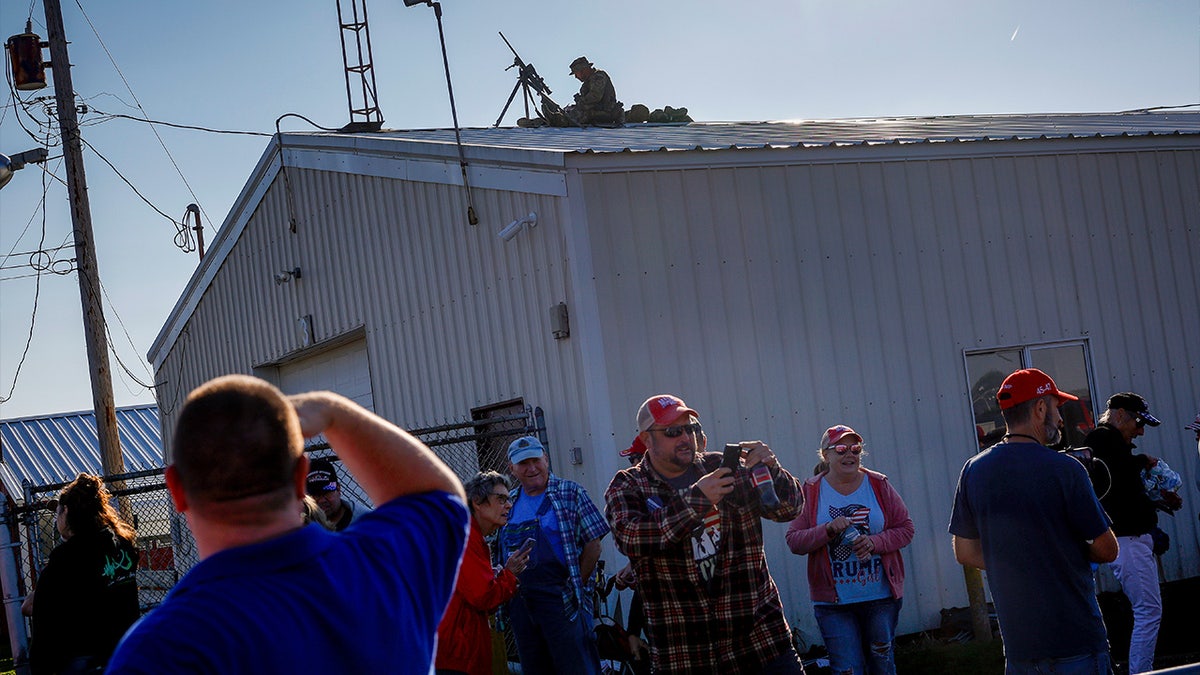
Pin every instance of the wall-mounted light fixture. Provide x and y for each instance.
(510, 230)
(285, 276)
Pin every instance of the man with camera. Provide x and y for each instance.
(1134, 517)
(1028, 515)
(691, 525)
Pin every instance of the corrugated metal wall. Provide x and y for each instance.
(778, 291)
(453, 316)
(779, 300)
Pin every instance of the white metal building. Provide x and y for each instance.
(780, 277)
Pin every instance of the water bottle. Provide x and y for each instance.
(766, 486)
(850, 535)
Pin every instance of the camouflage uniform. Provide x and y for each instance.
(596, 102)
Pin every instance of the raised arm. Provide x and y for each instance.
(387, 461)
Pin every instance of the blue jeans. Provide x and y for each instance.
(860, 636)
(546, 641)
(1084, 664)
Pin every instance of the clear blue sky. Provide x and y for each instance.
(236, 65)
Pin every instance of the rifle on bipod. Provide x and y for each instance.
(528, 82)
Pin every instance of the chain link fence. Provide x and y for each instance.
(166, 547)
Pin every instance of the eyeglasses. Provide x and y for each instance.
(502, 497)
(1140, 422)
(855, 449)
(679, 429)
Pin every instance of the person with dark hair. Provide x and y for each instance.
(270, 595)
(86, 595)
(1028, 515)
(323, 485)
(464, 636)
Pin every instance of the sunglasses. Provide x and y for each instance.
(679, 429)
(855, 449)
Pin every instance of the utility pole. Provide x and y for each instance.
(85, 254)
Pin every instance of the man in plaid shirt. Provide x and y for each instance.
(693, 532)
(551, 614)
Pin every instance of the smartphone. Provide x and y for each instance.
(527, 546)
(732, 458)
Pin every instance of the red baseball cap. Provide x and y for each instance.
(635, 448)
(662, 409)
(1027, 384)
(836, 433)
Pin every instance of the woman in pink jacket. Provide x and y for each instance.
(852, 528)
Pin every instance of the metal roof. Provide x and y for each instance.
(56, 448)
(814, 133)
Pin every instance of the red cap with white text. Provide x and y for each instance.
(662, 409)
(1027, 384)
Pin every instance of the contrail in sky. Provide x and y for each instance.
(1014, 35)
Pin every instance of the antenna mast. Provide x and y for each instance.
(360, 75)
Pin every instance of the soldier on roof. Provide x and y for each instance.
(596, 103)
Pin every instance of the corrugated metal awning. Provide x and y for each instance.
(56, 448)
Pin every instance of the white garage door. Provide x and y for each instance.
(343, 369)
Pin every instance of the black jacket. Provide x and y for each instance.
(86, 598)
(1126, 503)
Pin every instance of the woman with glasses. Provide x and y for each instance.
(464, 637)
(852, 528)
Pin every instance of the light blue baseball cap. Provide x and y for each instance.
(524, 448)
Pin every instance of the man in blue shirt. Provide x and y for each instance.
(270, 595)
(1028, 515)
(552, 612)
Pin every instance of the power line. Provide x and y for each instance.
(191, 127)
(182, 234)
(37, 292)
(112, 344)
(139, 106)
(122, 177)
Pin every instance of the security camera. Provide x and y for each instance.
(510, 230)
